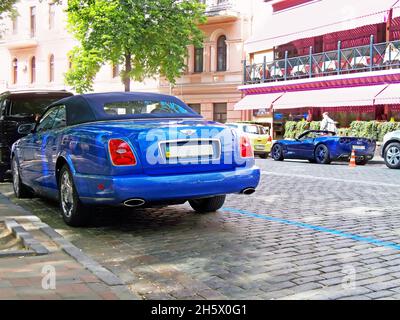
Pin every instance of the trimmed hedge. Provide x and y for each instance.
(295, 128)
(365, 129)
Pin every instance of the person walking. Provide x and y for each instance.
(328, 124)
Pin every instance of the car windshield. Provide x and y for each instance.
(142, 107)
(30, 105)
(316, 134)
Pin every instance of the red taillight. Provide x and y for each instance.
(121, 153)
(246, 151)
(269, 139)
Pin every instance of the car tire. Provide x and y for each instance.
(321, 154)
(361, 162)
(208, 204)
(264, 155)
(2, 175)
(392, 155)
(21, 191)
(72, 210)
(277, 152)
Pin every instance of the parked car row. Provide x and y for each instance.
(128, 149)
(143, 150)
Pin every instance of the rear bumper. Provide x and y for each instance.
(260, 149)
(105, 190)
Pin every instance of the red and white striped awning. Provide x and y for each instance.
(257, 101)
(352, 96)
(391, 95)
(319, 18)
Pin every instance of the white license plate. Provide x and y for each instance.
(259, 147)
(189, 151)
(359, 147)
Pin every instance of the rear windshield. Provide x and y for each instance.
(251, 129)
(30, 105)
(144, 107)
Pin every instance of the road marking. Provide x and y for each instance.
(356, 237)
(304, 176)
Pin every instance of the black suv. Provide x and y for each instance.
(21, 107)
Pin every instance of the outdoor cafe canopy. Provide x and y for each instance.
(324, 98)
(319, 18)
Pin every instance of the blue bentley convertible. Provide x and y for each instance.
(324, 147)
(132, 150)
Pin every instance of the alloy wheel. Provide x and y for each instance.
(321, 153)
(67, 194)
(393, 156)
(15, 176)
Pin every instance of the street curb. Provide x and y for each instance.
(99, 271)
(33, 246)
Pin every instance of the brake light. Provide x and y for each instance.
(269, 139)
(246, 151)
(121, 153)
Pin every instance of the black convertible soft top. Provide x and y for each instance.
(91, 107)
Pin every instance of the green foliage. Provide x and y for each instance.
(7, 6)
(293, 129)
(344, 132)
(148, 37)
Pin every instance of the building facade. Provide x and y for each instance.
(34, 51)
(340, 56)
(215, 71)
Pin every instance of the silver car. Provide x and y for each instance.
(391, 149)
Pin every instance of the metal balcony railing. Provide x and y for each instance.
(341, 61)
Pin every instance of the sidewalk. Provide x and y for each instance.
(46, 261)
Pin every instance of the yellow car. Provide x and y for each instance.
(259, 136)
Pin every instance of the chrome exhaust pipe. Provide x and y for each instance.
(248, 191)
(132, 203)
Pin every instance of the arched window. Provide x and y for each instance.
(51, 68)
(33, 70)
(221, 53)
(15, 71)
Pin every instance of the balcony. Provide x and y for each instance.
(367, 58)
(221, 10)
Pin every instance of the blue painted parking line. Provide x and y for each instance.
(339, 233)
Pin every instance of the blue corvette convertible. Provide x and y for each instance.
(323, 147)
(133, 150)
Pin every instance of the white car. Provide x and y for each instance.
(391, 149)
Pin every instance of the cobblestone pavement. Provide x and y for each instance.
(309, 232)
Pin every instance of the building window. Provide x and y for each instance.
(33, 21)
(220, 112)
(52, 15)
(15, 24)
(15, 71)
(196, 107)
(33, 70)
(198, 59)
(115, 70)
(51, 68)
(221, 53)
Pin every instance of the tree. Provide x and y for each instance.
(7, 6)
(147, 37)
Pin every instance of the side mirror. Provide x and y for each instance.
(26, 128)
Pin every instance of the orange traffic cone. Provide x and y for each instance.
(352, 163)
